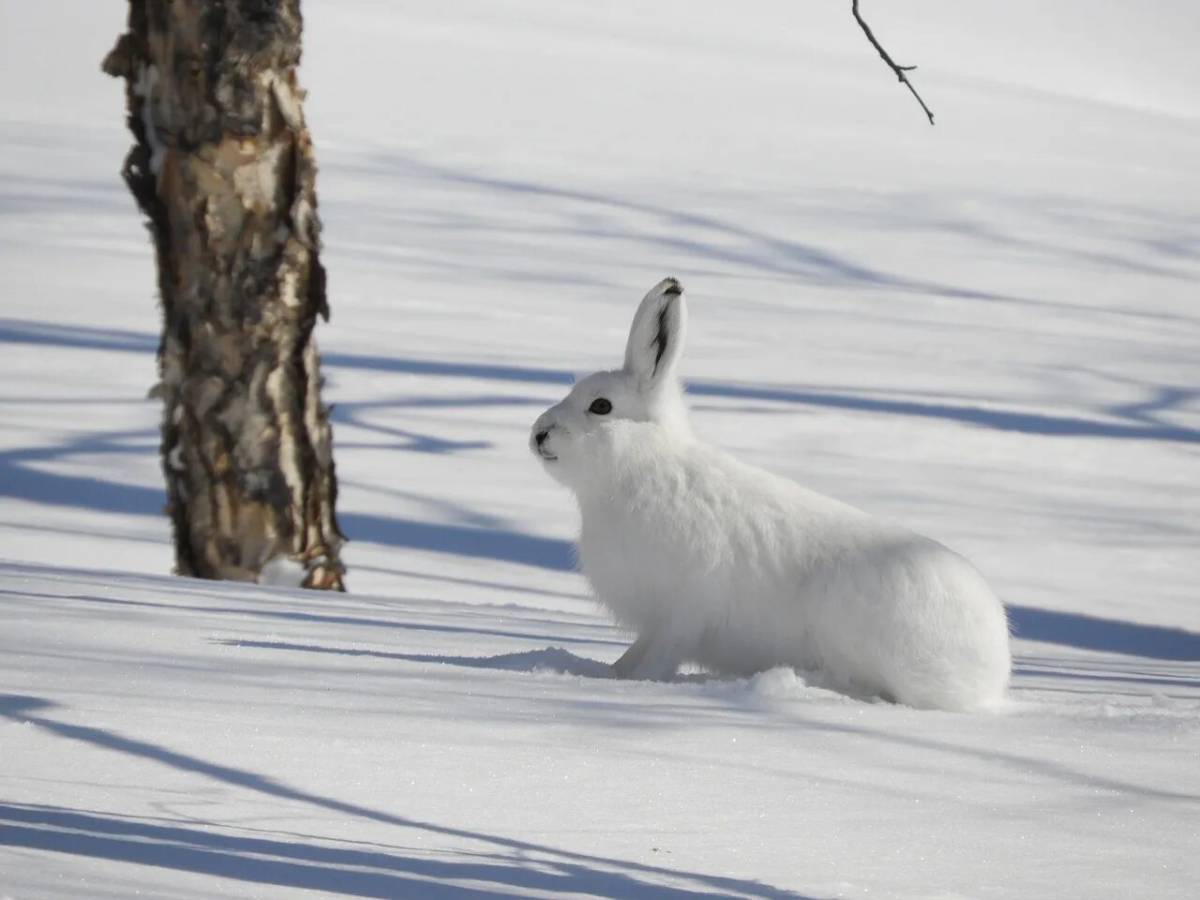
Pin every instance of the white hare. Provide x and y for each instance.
(713, 561)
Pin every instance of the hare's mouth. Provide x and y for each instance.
(546, 455)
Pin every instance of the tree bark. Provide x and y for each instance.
(222, 165)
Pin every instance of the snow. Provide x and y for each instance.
(188, 738)
(986, 330)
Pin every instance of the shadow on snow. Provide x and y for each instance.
(508, 865)
(1139, 421)
(23, 481)
(1104, 635)
(551, 659)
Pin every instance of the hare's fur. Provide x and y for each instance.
(709, 560)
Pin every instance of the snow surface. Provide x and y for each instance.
(987, 330)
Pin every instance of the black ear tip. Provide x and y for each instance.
(672, 287)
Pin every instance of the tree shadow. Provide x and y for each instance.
(22, 479)
(346, 871)
(491, 584)
(1170, 238)
(1134, 421)
(292, 615)
(357, 414)
(551, 659)
(19, 479)
(462, 540)
(1101, 678)
(65, 195)
(83, 337)
(1021, 763)
(582, 214)
(1105, 635)
(544, 211)
(509, 864)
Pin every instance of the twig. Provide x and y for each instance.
(898, 69)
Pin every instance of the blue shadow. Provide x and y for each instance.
(462, 540)
(511, 865)
(1137, 424)
(290, 615)
(306, 865)
(1105, 635)
(551, 659)
(22, 481)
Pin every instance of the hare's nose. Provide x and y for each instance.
(541, 436)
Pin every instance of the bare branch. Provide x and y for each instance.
(898, 69)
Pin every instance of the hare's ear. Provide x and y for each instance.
(656, 336)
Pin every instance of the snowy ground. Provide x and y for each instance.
(987, 329)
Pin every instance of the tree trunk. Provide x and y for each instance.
(222, 165)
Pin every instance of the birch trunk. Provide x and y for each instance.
(222, 165)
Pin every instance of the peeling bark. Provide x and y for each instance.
(222, 166)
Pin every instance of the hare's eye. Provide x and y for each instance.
(600, 406)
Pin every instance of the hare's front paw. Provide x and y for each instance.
(649, 658)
